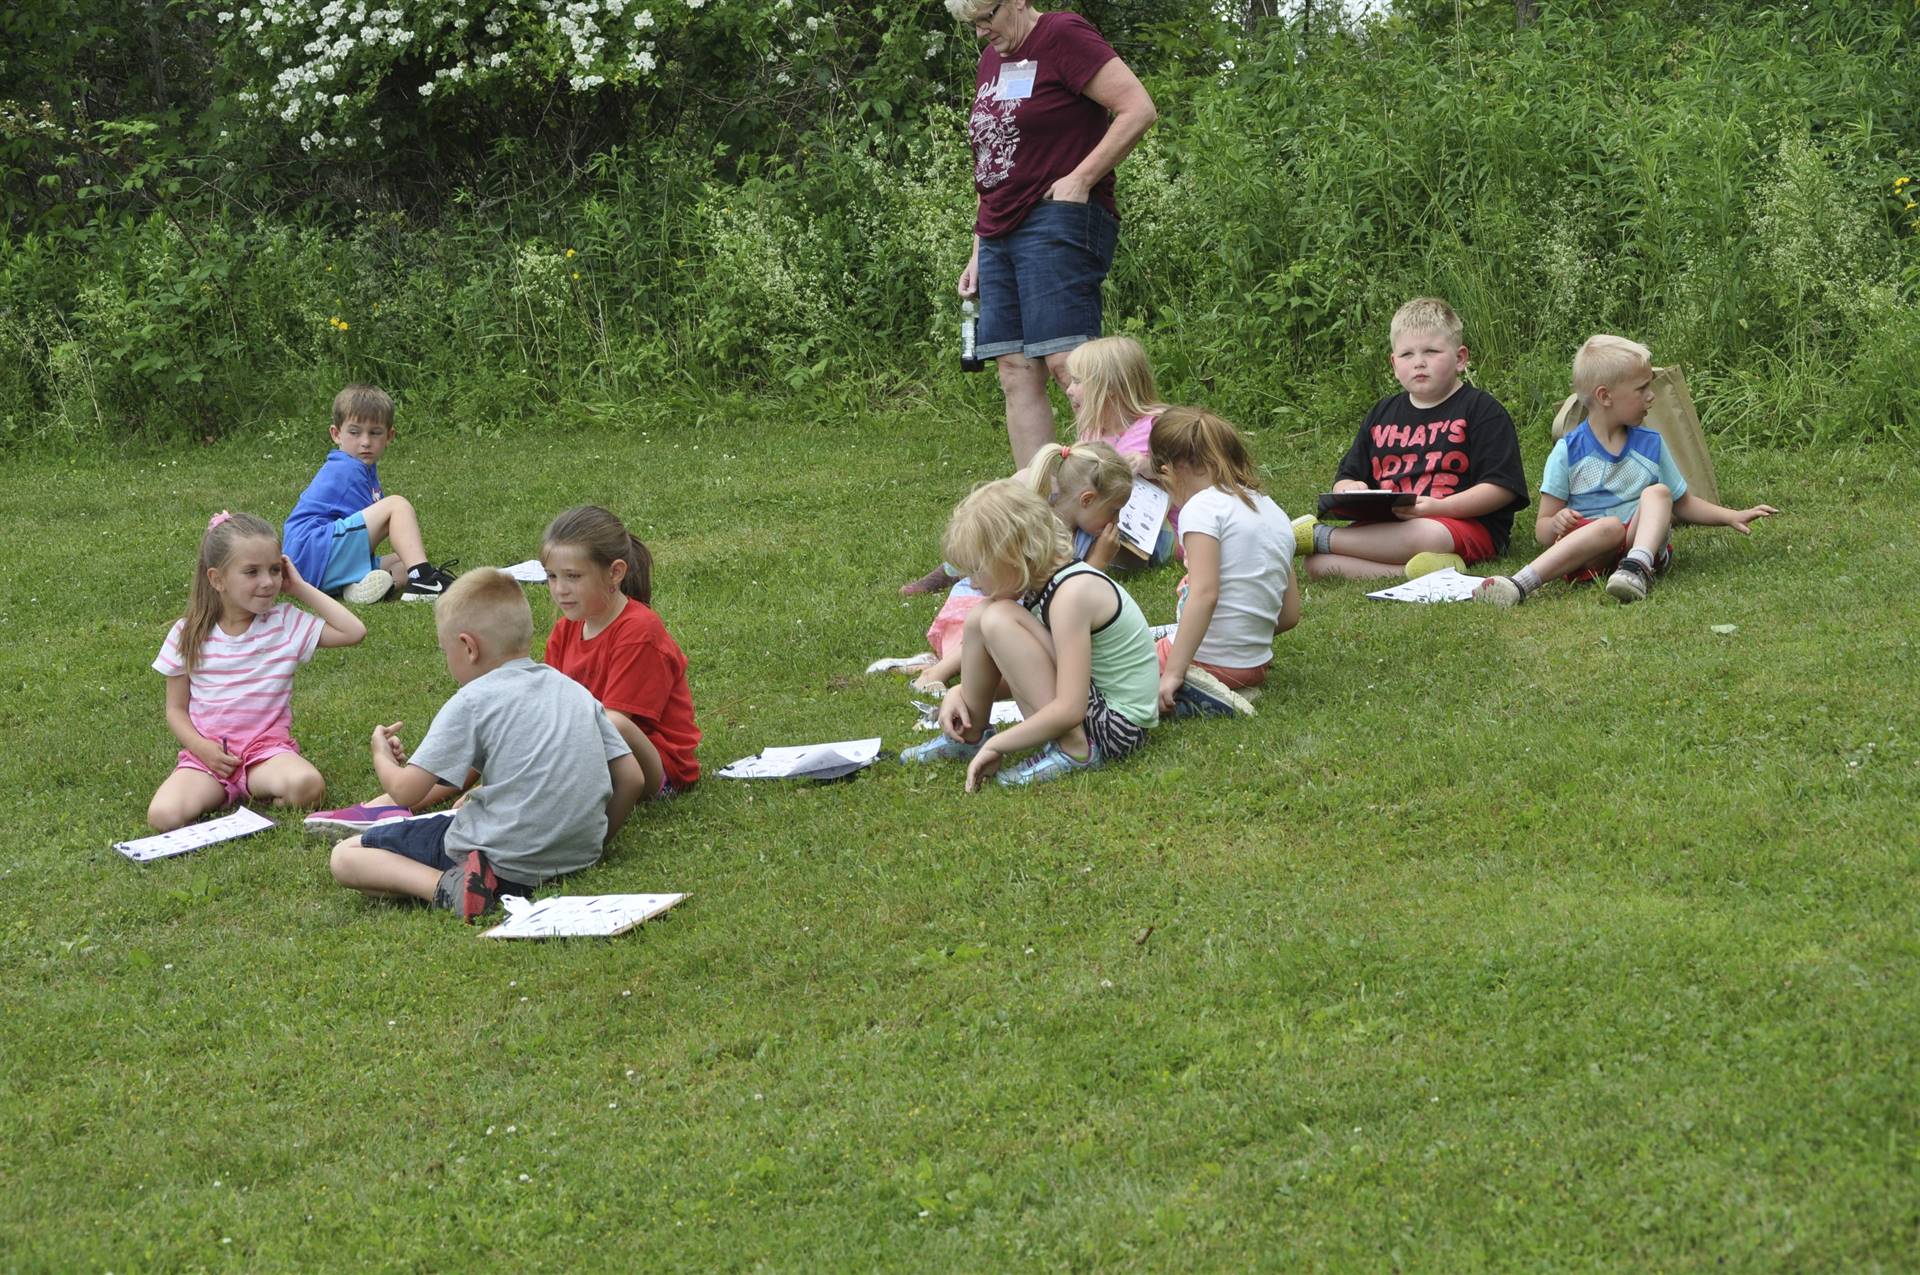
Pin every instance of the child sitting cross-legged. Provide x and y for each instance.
(1449, 443)
(1060, 636)
(556, 781)
(1611, 491)
(1086, 484)
(1239, 589)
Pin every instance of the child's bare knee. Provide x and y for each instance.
(1611, 529)
(341, 861)
(163, 816)
(306, 789)
(998, 618)
(1657, 489)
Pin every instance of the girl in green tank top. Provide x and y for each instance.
(1068, 644)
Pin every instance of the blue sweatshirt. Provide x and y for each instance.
(343, 486)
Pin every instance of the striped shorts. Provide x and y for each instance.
(1112, 731)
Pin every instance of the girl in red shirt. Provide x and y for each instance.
(610, 641)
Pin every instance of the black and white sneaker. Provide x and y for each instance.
(1630, 582)
(426, 582)
(1204, 695)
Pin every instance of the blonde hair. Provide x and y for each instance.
(491, 605)
(1211, 444)
(969, 10)
(1006, 525)
(1117, 386)
(366, 403)
(224, 531)
(606, 541)
(1427, 314)
(1604, 360)
(1073, 468)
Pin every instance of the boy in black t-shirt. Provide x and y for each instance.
(1449, 443)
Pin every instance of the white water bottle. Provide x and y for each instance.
(969, 361)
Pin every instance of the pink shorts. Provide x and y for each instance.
(251, 754)
(1661, 560)
(1471, 541)
(1235, 679)
(946, 627)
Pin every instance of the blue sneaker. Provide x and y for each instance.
(940, 748)
(1204, 695)
(1049, 763)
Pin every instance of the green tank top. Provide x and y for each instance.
(1126, 671)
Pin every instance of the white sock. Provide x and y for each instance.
(1643, 557)
(1528, 579)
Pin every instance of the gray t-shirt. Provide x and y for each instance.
(541, 744)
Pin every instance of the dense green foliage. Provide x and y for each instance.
(777, 195)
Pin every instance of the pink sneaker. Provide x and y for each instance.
(356, 818)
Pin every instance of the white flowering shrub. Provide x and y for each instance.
(351, 75)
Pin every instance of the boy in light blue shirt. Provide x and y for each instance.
(342, 516)
(1611, 490)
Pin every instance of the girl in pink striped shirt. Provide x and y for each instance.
(229, 666)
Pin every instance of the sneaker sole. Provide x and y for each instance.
(376, 586)
(1213, 688)
(1626, 591)
(419, 597)
(351, 825)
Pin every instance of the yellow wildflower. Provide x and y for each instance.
(576, 274)
(569, 253)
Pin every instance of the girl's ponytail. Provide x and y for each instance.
(638, 582)
(1068, 468)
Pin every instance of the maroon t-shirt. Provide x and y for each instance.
(1023, 145)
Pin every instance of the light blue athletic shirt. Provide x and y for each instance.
(1596, 483)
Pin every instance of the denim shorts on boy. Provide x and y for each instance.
(424, 840)
(1040, 282)
(351, 556)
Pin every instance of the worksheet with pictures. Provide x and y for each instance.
(195, 836)
(579, 915)
(1142, 516)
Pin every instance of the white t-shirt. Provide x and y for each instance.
(1256, 565)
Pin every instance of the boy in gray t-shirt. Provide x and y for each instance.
(556, 780)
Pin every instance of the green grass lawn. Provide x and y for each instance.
(1574, 936)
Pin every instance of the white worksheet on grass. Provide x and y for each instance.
(805, 761)
(892, 663)
(578, 915)
(532, 571)
(195, 836)
(1448, 585)
(1140, 518)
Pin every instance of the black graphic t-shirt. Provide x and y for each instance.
(1442, 450)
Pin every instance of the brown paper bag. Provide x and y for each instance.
(1673, 416)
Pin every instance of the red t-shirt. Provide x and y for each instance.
(634, 667)
(1023, 145)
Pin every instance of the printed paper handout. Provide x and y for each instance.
(532, 571)
(241, 823)
(806, 761)
(901, 662)
(1436, 586)
(1004, 713)
(578, 915)
(1158, 631)
(1141, 517)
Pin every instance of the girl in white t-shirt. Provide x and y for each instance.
(229, 664)
(1240, 588)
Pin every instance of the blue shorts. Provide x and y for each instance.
(423, 839)
(1040, 282)
(350, 558)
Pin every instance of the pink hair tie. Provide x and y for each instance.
(217, 519)
(1065, 451)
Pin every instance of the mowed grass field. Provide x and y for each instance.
(1572, 937)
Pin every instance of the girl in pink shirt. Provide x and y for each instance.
(229, 666)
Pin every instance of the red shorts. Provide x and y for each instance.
(944, 633)
(251, 754)
(1234, 679)
(1471, 541)
(1661, 560)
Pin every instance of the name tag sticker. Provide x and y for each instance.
(1016, 82)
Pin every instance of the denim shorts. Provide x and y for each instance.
(423, 839)
(1040, 282)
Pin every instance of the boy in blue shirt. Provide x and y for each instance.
(342, 516)
(1611, 491)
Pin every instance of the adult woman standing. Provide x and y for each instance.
(1054, 111)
